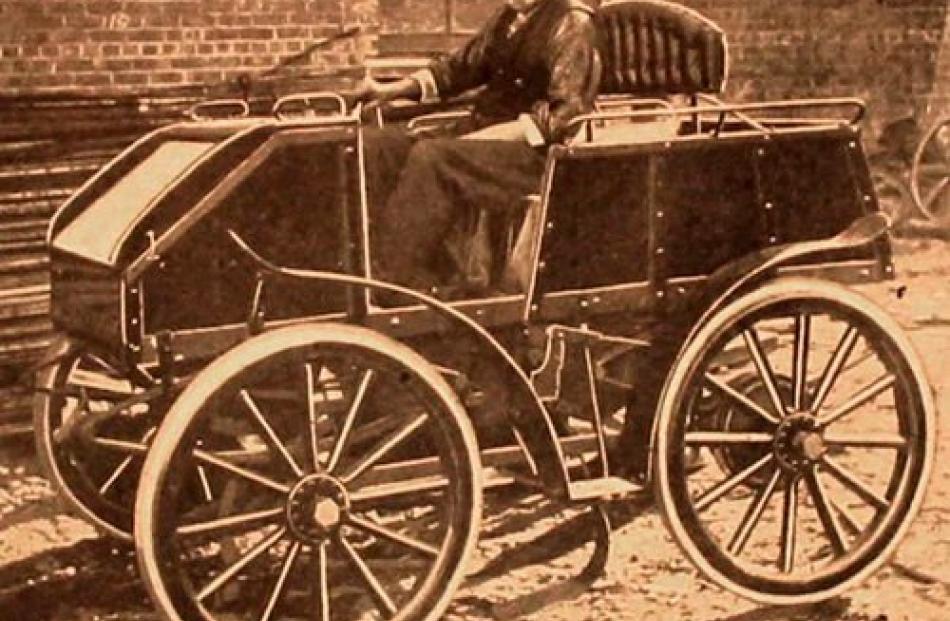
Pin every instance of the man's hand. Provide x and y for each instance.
(367, 91)
(372, 93)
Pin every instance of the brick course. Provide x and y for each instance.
(118, 45)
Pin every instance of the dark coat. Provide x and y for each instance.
(549, 68)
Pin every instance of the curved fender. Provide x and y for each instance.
(727, 282)
(535, 424)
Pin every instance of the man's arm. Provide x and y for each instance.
(451, 75)
(575, 68)
(465, 68)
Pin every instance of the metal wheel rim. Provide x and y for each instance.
(112, 518)
(941, 191)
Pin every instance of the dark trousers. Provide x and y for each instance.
(421, 188)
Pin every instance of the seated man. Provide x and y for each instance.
(539, 66)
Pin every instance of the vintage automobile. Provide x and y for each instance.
(231, 391)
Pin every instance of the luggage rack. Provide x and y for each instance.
(699, 114)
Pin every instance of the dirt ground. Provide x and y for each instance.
(53, 567)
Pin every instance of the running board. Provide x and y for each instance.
(601, 489)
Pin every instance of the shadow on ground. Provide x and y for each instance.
(60, 584)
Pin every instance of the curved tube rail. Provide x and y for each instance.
(739, 111)
(306, 101)
(202, 111)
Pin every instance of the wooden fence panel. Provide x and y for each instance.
(48, 148)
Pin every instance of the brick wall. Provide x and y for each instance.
(885, 51)
(939, 99)
(105, 45)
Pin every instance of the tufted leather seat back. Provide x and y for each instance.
(654, 47)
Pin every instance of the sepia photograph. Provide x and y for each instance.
(474, 310)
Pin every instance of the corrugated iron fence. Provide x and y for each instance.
(48, 147)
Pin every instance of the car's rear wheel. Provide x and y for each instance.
(91, 448)
(823, 442)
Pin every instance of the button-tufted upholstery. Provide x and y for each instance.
(656, 48)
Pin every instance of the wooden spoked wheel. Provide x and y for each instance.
(894, 197)
(90, 449)
(821, 424)
(930, 173)
(344, 483)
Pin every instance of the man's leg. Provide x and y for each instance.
(649, 376)
(385, 151)
(442, 179)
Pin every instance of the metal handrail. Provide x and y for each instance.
(602, 104)
(450, 115)
(307, 100)
(732, 109)
(745, 118)
(195, 112)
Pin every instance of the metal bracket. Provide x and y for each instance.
(546, 378)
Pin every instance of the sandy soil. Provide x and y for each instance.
(53, 567)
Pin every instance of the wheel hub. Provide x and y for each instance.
(316, 507)
(799, 442)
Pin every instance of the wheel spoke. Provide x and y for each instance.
(800, 361)
(281, 583)
(934, 192)
(99, 362)
(101, 383)
(209, 459)
(867, 440)
(380, 451)
(269, 433)
(740, 398)
(398, 489)
(727, 485)
(761, 362)
(707, 438)
(860, 398)
(231, 572)
(849, 521)
(118, 472)
(379, 595)
(381, 531)
(853, 483)
(82, 404)
(312, 419)
(789, 524)
(321, 586)
(205, 483)
(754, 514)
(825, 513)
(234, 521)
(349, 421)
(833, 369)
(121, 446)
